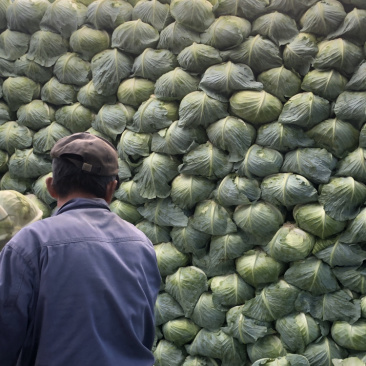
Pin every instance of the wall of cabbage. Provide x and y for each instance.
(240, 128)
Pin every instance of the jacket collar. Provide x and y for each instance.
(77, 203)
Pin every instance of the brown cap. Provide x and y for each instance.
(97, 155)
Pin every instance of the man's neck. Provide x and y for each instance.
(63, 200)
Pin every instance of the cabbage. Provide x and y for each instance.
(199, 361)
(260, 161)
(350, 107)
(221, 81)
(44, 207)
(214, 265)
(313, 218)
(153, 12)
(64, 17)
(188, 190)
(88, 42)
(350, 361)
(199, 109)
(90, 98)
(133, 145)
(3, 6)
(14, 136)
(245, 8)
(109, 68)
(167, 354)
(358, 79)
(170, 259)
(338, 54)
(7, 68)
(339, 305)
(226, 32)
(315, 164)
(152, 64)
(282, 137)
(336, 136)
(109, 14)
(288, 360)
(356, 229)
(259, 269)
(300, 52)
(211, 218)
(45, 138)
(153, 115)
(13, 44)
(351, 336)
(128, 192)
(327, 84)
(175, 85)
(134, 37)
(353, 278)
(233, 135)
(21, 185)
(292, 7)
(154, 174)
(278, 27)
(257, 52)
(124, 171)
(297, 331)
(198, 57)
(163, 212)
(288, 189)
(56, 93)
(4, 158)
(243, 328)
(323, 17)
(157, 234)
(342, 198)
(166, 308)
(39, 188)
(31, 69)
(186, 286)
(206, 315)
(126, 211)
(180, 331)
(134, 91)
(234, 190)
(196, 14)
(75, 117)
(272, 302)
(269, 346)
(256, 107)
(72, 69)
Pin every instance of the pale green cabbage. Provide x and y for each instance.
(350, 107)
(168, 354)
(56, 93)
(74, 117)
(157, 234)
(14, 136)
(350, 336)
(90, 98)
(166, 308)
(31, 69)
(45, 138)
(269, 346)
(125, 211)
(13, 44)
(134, 91)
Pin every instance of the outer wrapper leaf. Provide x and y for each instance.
(109, 14)
(356, 229)
(206, 315)
(282, 137)
(13, 44)
(297, 331)
(299, 54)
(226, 32)
(259, 219)
(72, 69)
(134, 37)
(273, 302)
(350, 336)
(75, 117)
(338, 137)
(243, 328)
(348, 361)
(199, 109)
(35, 115)
(358, 79)
(257, 52)
(295, 8)
(246, 8)
(21, 185)
(339, 305)
(45, 139)
(287, 360)
(211, 218)
(350, 107)
(342, 198)
(232, 134)
(154, 13)
(163, 212)
(258, 268)
(166, 308)
(196, 14)
(166, 353)
(198, 57)
(279, 28)
(134, 145)
(54, 92)
(108, 68)
(152, 64)
(312, 275)
(353, 278)
(314, 164)
(186, 286)
(305, 110)
(188, 190)
(154, 174)
(288, 189)
(206, 160)
(213, 265)
(268, 346)
(256, 107)
(90, 98)
(64, 17)
(323, 17)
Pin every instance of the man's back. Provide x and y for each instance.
(95, 279)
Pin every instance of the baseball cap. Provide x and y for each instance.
(93, 154)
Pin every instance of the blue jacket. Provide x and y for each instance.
(78, 289)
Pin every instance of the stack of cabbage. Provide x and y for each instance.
(240, 127)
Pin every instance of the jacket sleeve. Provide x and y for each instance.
(16, 291)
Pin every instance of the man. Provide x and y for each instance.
(79, 288)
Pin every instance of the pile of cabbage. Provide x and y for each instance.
(240, 128)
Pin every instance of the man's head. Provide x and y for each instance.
(83, 165)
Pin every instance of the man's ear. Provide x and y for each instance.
(111, 187)
(50, 188)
